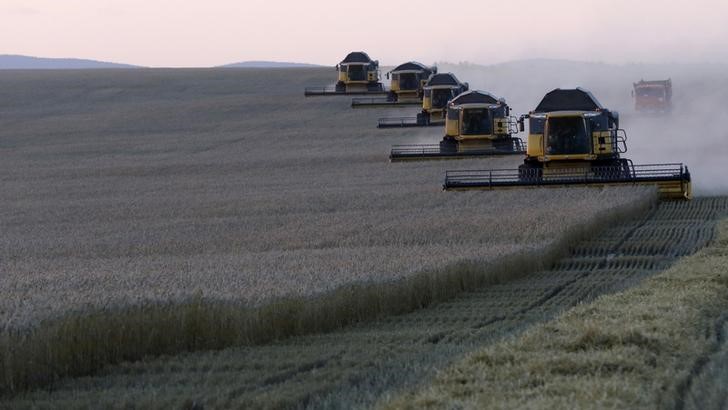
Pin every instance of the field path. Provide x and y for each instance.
(358, 365)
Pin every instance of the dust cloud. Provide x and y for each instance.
(694, 133)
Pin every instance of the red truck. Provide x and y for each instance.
(653, 96)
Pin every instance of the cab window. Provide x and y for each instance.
(453, 114)
(477, 121)
(440, 97)
(567, 135)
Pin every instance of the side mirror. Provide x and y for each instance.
(522, 123)
(387, 76)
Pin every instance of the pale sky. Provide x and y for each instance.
(178, 33)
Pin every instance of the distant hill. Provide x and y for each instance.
(269, 64)
(17, 62)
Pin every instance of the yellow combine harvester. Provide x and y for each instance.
(436, 93)
(407, 87)
(573, 140)
(476, 124)
(358, 74)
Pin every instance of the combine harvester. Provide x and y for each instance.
(358, 74)
(407, 85)
(437, 92)
(653, 96)
(477, 124)
(573, 140)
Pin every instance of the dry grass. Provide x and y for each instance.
(150, 211)
(642, 348)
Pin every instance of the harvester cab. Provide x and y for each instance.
(357, 74)
(407, 83)
(439, 89)
(652, 96)
(477, 124)
(573, 140)
(571, 128)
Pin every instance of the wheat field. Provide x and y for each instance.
(151, 212)
(148, 211)
(362, 365)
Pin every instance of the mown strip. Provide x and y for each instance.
(82, 343)
(647, 347)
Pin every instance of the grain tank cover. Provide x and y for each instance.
(443, 79)
(475, 97)
(665, 83)
(576, 99)
(410, 66)
(357, 57)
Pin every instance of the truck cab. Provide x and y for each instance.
(652, 96)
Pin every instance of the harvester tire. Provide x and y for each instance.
(375, 87)
(530, 173)
(506, 144)
(448, 146)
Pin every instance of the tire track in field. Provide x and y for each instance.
(356, 366)
(705, 385)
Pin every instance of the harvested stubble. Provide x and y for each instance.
(155, 211)
(658, 345)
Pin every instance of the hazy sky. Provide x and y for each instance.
(213, 32)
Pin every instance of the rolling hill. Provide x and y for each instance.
(19, 62)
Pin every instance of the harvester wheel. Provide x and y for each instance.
(423, 118)
(448, 145)
(505, 144)
(529, 172)
(375, 87)
(340, 87)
